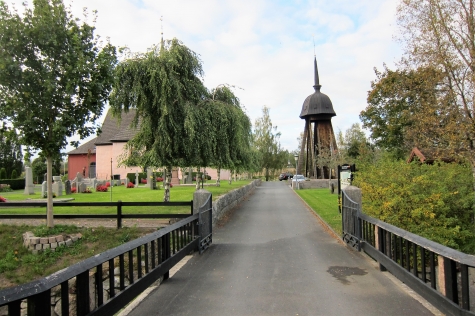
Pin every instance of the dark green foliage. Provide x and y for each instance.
(38, 167)
(15, 184)
(3, 173)
(14, 174)
(131, 176)
(11, 157)
(433, 201)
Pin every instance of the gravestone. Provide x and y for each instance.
(57, 186)
(136, 179)
(67, 187)
(29, 186)
(44, 189)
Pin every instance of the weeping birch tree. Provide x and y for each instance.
(180, 122)
(55, 77)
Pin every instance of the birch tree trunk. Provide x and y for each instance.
(168, 177)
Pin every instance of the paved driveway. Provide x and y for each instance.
(273, 257)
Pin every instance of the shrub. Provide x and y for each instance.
(3, 173)
(6, 189)
(101, 188)
(73, 190)
(2, 199)
(14, 174)
(130, 185)
(15, 184)
(108, 184)
(143, 181)
(432, 201)
(159, 179)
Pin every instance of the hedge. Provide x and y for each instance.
(15, 184)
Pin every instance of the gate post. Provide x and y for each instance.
(202, 205)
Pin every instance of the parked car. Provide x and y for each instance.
(299, 178)
(285, 176)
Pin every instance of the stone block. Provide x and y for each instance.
(44, 240)
(69, 242)
(74, 238)
(51, 239)
(61, 243)
(34, 240)
(46, 246)
(54, 245)
(59, 238)
(38, 246)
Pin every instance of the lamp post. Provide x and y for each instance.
(296, 160)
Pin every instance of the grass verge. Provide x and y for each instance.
(18, 265)
(142, 194)
(325, 205)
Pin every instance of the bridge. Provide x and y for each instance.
(271, 256)
(274, 257)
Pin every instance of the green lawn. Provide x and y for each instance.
(324, 204)
(140, 194)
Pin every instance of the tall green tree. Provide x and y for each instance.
(403, 109)
(11, 157)
(266, 141)
(55, 77)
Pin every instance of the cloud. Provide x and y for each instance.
(266, 48)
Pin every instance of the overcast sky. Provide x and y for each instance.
(266, 48)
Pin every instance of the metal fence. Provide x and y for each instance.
(95, 287)
(118, 216)
(439, 274)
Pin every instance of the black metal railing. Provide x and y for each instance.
(440, 274)
(206, 224)
(105, 283)
(118, 216)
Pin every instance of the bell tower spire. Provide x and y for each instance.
(317, 85)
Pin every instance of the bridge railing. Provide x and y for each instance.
(440, 274)
(105, 283)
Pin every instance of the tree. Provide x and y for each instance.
(10, 150)
(39, 167)
(441, 34)
(180, 122)
(55, 77)
(159, 84)
(355, 139)
(266, 141)
(3, 173)
(402, 107)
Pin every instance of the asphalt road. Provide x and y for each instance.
(273, 257)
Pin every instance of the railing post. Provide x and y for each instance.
(119, 214)
(379, 242)
(448, 278)
(82, 293)
(39, 304)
